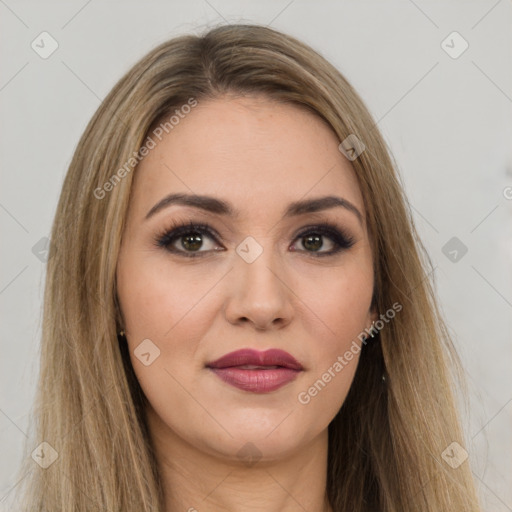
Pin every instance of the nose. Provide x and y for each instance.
(258, 294)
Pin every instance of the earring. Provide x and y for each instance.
(370, 330)
(121, 333)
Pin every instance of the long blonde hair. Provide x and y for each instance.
(387, 440)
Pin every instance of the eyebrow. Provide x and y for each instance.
(218, 206)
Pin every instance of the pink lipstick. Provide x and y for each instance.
(255, 371)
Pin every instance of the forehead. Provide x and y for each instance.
(254, 152)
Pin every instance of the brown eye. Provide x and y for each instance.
(189, 240)
(313, 240)
(192, 242)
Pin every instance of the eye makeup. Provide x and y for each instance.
(193, 234)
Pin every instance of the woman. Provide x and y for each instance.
(238, 314)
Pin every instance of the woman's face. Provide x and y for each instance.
(274, 268)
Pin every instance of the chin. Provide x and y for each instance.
(252, 449)
(265, 436)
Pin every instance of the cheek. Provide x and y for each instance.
(156, 298)
(173, 309)
(331, 308)
(168, 307)
(341, 305)
(340, 299)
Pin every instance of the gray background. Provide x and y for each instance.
(447, 121)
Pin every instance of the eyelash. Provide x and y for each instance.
(177, 229)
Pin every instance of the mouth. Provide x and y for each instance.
(255, 371)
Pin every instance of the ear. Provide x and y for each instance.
(371, 317)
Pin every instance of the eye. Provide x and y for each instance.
(188, 239)
(193, 240)
(312, 239)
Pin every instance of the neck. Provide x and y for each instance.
(194, 480)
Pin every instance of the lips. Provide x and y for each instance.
(255, 371)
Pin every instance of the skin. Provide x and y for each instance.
(259, 156)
